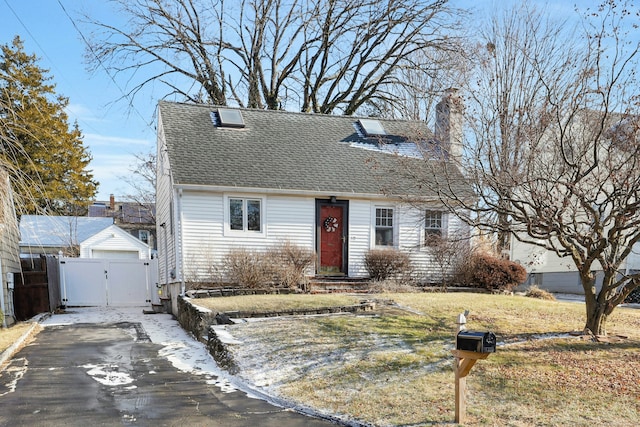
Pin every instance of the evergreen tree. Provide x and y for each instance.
(44, 155)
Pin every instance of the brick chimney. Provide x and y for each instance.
(448, 129)
(112, 202)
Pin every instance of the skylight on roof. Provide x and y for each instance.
(230, 118)
(372, 127)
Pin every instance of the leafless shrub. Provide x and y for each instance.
(384, 264)
(202, 270)
(248, 268)
(290, 263)
(450, 255)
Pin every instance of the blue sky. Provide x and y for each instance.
(112, 131)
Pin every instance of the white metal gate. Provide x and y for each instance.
(108, 282)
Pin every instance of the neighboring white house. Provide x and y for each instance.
(559, 274)
(245, 178)
(600, 184)
(84, 237)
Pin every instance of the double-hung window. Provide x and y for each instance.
(245, 214)
(144, 236)
(384, 227)
(433, 225)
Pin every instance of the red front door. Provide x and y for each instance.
(332, 239)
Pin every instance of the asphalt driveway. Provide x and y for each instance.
(121, 369)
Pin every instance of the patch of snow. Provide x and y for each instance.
(407, 149)
(224, 336)
(178, 347)
(108, 375)
(16, 371)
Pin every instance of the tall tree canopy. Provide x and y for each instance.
(44, 155)
(325, 56)
(554, 147)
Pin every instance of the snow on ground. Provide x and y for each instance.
(180, 348)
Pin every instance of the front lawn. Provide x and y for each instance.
(396, 368)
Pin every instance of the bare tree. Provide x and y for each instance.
(556, 155)
(518, 53)
(448, 253)
(324, 55)
(142, 181)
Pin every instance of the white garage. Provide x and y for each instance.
(113, 242)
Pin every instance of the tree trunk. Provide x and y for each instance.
(596, 316)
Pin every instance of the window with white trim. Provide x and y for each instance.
(245, 214)
(384, 227)
(144, 236)
(433, 225)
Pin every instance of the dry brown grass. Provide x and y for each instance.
(10, 335)
(396, 369)
(16, 334)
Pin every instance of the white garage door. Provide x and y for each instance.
(108, 282)
(97, 253)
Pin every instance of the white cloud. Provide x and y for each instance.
(93, 139)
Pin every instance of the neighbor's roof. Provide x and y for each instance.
(124, 212)
(59, 231)
(288, 151)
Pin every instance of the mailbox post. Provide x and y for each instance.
(470, 347)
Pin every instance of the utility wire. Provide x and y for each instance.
(97, 58)
(27, 30)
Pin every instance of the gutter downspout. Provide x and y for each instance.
(179, 257)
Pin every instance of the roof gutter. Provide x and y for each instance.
(289, 192)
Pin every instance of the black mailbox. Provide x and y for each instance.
(479, 342)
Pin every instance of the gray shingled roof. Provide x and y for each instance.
(284, 150)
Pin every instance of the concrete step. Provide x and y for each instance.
(327, 285)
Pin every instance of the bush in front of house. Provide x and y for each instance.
(384, 264)
(290, 263)
(494, 274)
(284, 264)
(248, 268)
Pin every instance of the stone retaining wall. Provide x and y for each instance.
(201, 323)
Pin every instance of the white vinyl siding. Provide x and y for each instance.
(411, 235)
(164, 212)
(207, 238)
(360, 236)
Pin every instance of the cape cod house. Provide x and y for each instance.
(245, 178)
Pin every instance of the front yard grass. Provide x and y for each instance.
(10, 335)
(397, 369)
